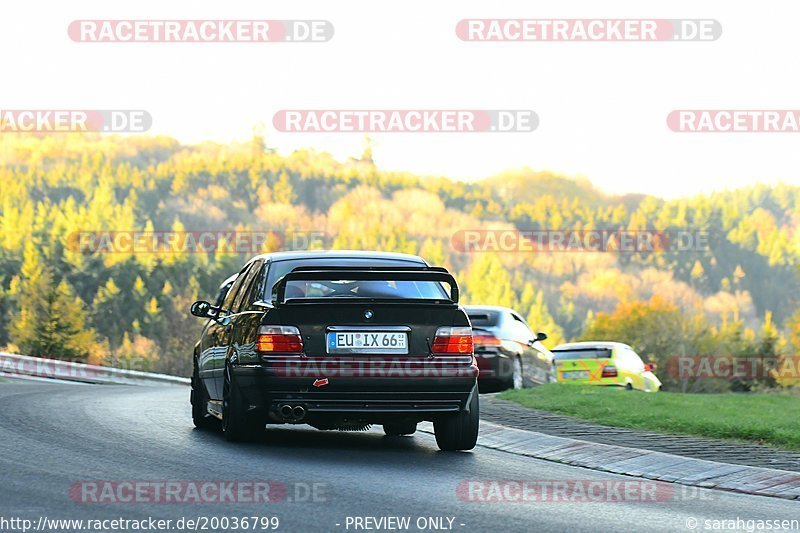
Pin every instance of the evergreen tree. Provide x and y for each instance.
(51, 320)
(108, 312)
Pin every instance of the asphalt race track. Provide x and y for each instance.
(57, 435)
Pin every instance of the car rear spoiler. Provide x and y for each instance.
(321, 273)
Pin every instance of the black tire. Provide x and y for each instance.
(237, 424)
(199, 401)
(628, 386)
(396, 429)
(459, 431)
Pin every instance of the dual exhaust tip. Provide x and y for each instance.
(292, 412)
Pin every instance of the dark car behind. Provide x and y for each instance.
(509, 354)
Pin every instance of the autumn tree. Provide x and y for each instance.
(657, 330)
(487, 282)
(53, 188)
(136, 352)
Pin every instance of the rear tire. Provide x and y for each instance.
(396, 429)
(199, 401)
(459, 431)
(237, 424)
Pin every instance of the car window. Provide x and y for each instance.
(229, 298)
(485, 318)
(277, 269)
(254, 286)
(634, 361)
(626, 358)
(520, 329)
(246, 287)
(223, 291)
(343, 288)
(581, 353)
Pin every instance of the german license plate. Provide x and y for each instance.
(379, 342)
(576, 374)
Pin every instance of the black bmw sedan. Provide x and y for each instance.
(338, 340)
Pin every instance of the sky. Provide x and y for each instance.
(602, 106)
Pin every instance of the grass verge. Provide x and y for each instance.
(765, 418)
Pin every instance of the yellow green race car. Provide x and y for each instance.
(604, 363)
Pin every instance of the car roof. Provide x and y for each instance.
(339, 254)
(496, 308)
(590, 344)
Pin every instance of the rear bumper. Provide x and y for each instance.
(374, 403)
(496, 368)
(336, 388)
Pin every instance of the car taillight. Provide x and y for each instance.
(609, 371)
(486, 340)
(453, 341)
(279, 339)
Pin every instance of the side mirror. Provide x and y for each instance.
(539, 337)
(202, 309)
(649, 367)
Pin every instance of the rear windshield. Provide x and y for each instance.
(587, 353)
(483, 318)
(429, 290)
